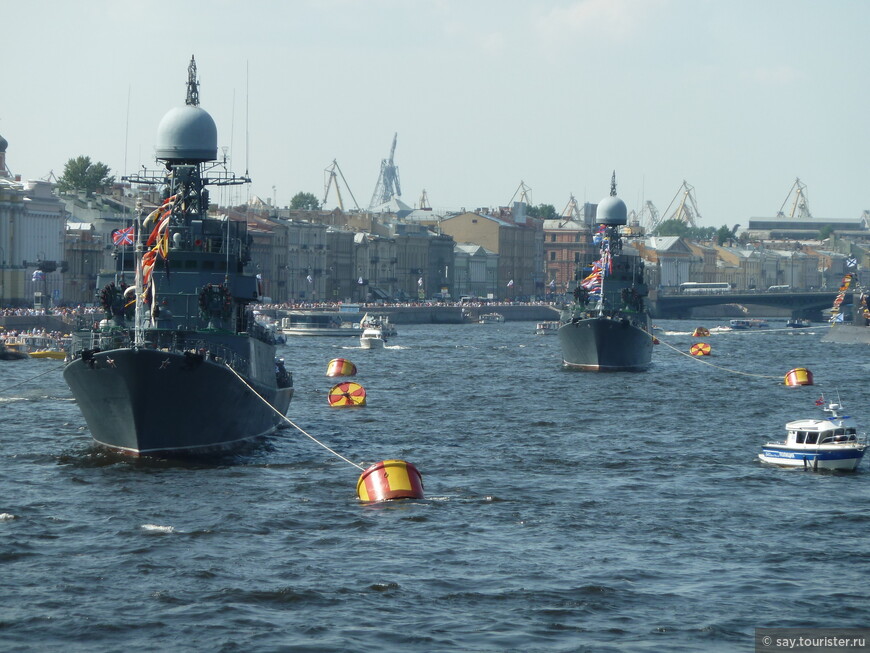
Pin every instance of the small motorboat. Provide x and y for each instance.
(372, 338)
(798, 323)
(382, 321)
(829, 443)
(491, 318)
(12, 351)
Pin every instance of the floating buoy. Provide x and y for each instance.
(390, 479)
(656, 341)
(340, 367)
(701, 332)
(799, 376)
(700, 349)
(347, 394)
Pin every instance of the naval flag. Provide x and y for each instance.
(851, 262)
(123, 236)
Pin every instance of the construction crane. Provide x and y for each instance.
(525, 194)
(424, 201)
(330, 179)
(649, 217)
(800, 205)
(687, 209)
(571, 212)
(388, 181)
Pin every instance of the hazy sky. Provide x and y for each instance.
(736, 97)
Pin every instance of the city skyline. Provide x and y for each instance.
(737, 99)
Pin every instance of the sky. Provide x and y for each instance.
(738, 98)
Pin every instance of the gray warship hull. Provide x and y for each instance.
(603, 344)
(145, 402)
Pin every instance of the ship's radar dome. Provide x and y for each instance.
(611, 210)
(187, 134)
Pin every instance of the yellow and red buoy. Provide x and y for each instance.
(701, 332)
(799, 376)
(700, 349)
(390, 479)
(340, 367)
(347, 394)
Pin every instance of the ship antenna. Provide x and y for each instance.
(613, 185)
(192, 85)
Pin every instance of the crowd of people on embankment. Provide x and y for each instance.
(380, 306)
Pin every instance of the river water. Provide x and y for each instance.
(564, 511)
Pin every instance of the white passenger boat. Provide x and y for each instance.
(372, 338)
(829, 443)
(312, 323)
(491, 318)
(752, 323)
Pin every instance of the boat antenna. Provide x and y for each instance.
(192, 98)
(613, 185)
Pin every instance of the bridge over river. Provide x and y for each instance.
(808, 304)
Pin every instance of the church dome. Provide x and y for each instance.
(612, 211)
(187, 134)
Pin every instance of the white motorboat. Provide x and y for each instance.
(382, 321)
(550, 327)
(829, 443)
(372, 338)
(491, 318)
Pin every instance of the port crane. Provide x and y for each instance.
(388, 181)
(687, 208)
(571, 212)
(649, 218)
(424, 201)
(800, 205)
(330, 177)
(525, 194)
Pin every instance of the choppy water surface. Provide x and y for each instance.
(565, 511)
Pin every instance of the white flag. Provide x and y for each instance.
(360, 281)
(310, 280)
(420, 282)
(510, 283)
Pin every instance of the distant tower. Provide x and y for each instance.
(388, 182)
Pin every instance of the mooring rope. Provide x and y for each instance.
(291, 423)
(52, 369)
(718, 367)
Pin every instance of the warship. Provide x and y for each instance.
(607, 327)
(179, 366)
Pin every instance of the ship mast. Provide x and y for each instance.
(609, 231)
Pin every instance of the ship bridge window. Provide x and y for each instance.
(812, 438)
(800, 437)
